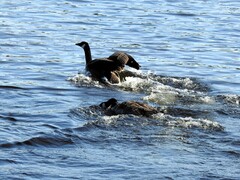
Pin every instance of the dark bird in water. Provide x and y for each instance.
(111, 67)
(112, 107)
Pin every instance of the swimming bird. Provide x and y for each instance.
(107, 67)
(112, 107)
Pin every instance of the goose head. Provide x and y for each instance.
(109, 104)
(82, 44)
(132, 63)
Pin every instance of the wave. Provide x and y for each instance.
(168, 116)
(189, 122)
(121, 121)
(47, 140)
(229, 99)
(145, 82)
(10, 87)
(179, 82)
(9, 118)
(153, 83)
(84, 80)
(158, 89)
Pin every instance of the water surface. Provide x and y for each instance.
(189, 53)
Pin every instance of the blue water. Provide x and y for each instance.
(190, 57)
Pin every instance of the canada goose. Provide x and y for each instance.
(107, 67)
(112, 107)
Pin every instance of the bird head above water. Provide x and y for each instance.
(133, 63)
(108, 104)
(82, 44)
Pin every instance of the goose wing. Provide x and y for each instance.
(124, 59)
(136, 108)
(119, 57)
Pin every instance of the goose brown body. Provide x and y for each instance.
(110, 67)
(112, 107)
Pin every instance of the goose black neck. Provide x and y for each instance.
(87, 51)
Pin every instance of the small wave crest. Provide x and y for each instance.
(10, 118)
(83, 80)
(158, 89)
(86, 112)
(189, 122)
(229, 99)
(47, 140)
(156, 83)
(180, 82)
(10, 87)
(160, 93)
(146, 82)
(160, 119)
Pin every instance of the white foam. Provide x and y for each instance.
(84, 80)
(207, 99)
(161, 97)
(189, 122)
(154, 88)
(79, 78)
(143, 85)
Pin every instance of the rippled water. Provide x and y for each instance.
(189, 53)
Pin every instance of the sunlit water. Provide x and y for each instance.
(189, 53)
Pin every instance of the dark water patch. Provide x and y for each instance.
(9, 118)
(35, 116)
(11, 87)
(50, 126)
(78, 23)
(236, 143)
(7, 161)
(233, 153)
(46, 141)
(183, 14)
(229, 111)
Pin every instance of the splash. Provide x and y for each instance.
(188, 99)
(189, 122)
(229, 99)
(175, 117)
(146, 82)
(84, 80)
